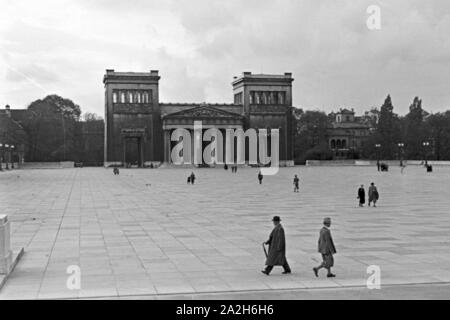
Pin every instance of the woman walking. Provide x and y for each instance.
(361, 196)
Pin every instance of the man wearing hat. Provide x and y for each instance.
(277, 249)
(326, 248)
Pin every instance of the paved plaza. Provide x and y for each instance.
(147, 233)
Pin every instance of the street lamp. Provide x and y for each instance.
(6, 160)
(1, 156)
(378, 146)
(11, 155)
(425, 145)
(401, 145)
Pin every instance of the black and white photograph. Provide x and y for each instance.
(244, 151)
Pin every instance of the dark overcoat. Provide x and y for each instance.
(326, 244)
(277, 247)
(373, 194)
(361, 195)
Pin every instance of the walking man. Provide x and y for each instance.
(326, 248)
(260, 177)
(192, 176)
(296, 183)
(361, 196)
(373, 194)
(277, 248)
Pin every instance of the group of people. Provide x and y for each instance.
(233, 168)
(277, 249)
(191, 178)
(372, 193)
(296, 181)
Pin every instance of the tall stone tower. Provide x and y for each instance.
(267, 103)
(132, 118)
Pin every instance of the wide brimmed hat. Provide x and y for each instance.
(276, 218)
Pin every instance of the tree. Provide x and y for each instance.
(311, 133)
(437, 131)
(387, 132)
(90, 116)
(413, 134)
(51, 129)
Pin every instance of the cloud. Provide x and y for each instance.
(199, 45)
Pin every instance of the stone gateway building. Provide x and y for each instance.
(138, 126)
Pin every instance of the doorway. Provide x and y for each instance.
(133, 152)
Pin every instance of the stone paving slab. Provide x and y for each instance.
(146, 232)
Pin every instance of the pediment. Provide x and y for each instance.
(203, 112)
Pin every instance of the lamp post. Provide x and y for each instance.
(425, 145)
(11, 156)
(401, 145)
(1, 156)
(378, 146)
(6, 158)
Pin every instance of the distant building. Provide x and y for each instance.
(348, 133)
(13, 137)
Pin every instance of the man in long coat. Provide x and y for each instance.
(373, 194)
(326, 248)
(260, 177)
(277, 248)
(296, 183)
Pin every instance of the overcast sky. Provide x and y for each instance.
(64, 47)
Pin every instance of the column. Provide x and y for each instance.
(192, 132)
(167, 146)
(124, 150)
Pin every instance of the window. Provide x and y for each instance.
(281, 97)
(264, 97)
(115, 97)
(122, 97)
(137, 97)
(271, 99)
(238, 98)
(130, 96)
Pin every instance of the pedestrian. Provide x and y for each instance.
(225, 166)
(188, 179)
(326, 248)
(361, 196)
(373, 194)
(260, 177)
(116, 171)
(402, 167)
(277, 248)
(378, 165)
(296, 183)
(192, 177)
(235, 168)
